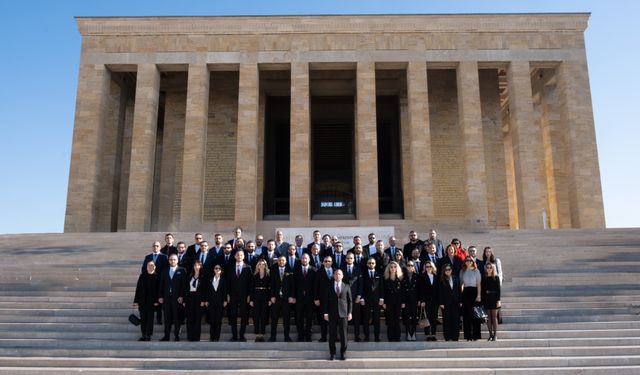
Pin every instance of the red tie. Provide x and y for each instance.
(338, 290)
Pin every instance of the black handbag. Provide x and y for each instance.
(133, 319)
(479, 313)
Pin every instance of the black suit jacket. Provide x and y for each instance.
(214, 297)
(427, 290)
(448, 295)
(186, 262)
(168, 250)
(239, 287)
(304, 285)
(281, 288)
(162, 262)
(381, 261)
(372, 289)
(321, 283)
(271, 260)
(354, 280)
(337, 306)
(342, 260)
(253, 261)
(313, 262)
(173, 288)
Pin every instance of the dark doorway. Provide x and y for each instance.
(390, 197)
(332, 122)
(276, 157)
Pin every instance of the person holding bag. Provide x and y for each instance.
(428, 296)
(411, 304)
(470, 282)
(146, 299)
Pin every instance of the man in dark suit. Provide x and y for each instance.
(353, 278)
(303, 283)
(226, 258)
(168, 248)
(292, 258)
(360, 258)
(240, 278)
(356, 241)
(184, 260)
(337, 309)
(315, 258)
(338, 256)
(237, 234)
(162, 262)
(370, 248)
(281, 245)
(207, 259)
(372, 299)
(193, 249)
(324, 278)
(382, 259)
(173, 286)
(271, 255)
(431, 254)
(414, 242)
(392, 249)
(433, 237)
(250, 256)
(300, 248)
(317, 236)
(281, 297)
(218, 245)
(260, 244)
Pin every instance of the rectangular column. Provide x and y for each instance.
(247, 146)
(419, 142)
(585, 189)
(299, 170)
(143, 148)
(195, 140)
(528, 152)
(366, 144)
(91, 103)
(470, 117)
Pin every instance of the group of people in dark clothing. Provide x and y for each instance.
(422, 282)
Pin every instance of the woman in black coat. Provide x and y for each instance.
(393, 300)
(193, 303)
(260, 298)
(428, 284)
(451, 259)
(215, 299)
(449, 300)
(411, 304)
(146, 299)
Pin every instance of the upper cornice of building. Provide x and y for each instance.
(381, 23)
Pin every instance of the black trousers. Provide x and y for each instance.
(304, 318)
(337, 326)
(392, 318)
(371, 311)
(260, 314)
(471, 326)
(356, 318)
(146, 319)
(238, 310)
(324, 325)
(410, 316)
(215, 313)
(431, 308)
(280, 309)
(194, 319)
(451, 321)
(171, 317)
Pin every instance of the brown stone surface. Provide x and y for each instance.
(300, 169)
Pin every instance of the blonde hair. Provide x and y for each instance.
(387, 271)
(266, 267)
(434, 269)
(494, 271)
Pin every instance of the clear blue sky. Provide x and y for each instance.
(40, 52)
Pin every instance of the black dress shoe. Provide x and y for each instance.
(142, 339)
(177, 338)
(331, 357)
(272, 339)
(234, 339)
(308, 339)
(287, 339)
(343, 357)
(323, 339)
(242, 339)
(377, 339)
(357, 339)
(165, 338)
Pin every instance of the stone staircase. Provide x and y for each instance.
(571, 303)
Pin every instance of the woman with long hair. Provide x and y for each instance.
(411, 304)
(449, 300)
(146, 299)
(260, 298)
(393, 299)
(428, 296)
(470, 284)
(193, 303)
(491, 298)
(488, 256)
(451, 259)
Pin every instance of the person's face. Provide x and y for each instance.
(218, 240)
(251, 247)
(334, 240)
(237, 233)
(182, 248)
(358, 249)
(468, 262)
(473, 251)
(217, 270)
(371, 264)
(271, 246)
(279, 236)
(227, 249)
(259, 240)
(305, 260)
(372, 238)
(155, 247)
(204, 246)
(239, 244)
(328, 262)
(339, 247)
(196, 267)
(488, 252)
(315, 250)
(415, 254)
(261, 266)
(392, 241)
(447, 272)
(350, 259)
(393, 270)
(316, 236)
(432, 235)
(173, 260)
(282, 261)
(456, 244)
(291, 250)
(198, 239)
(357, 241)
(489, 268)
(380, 247)
(451, 250)
(239, 256)
(411, 268)
(413, 236)
(168, 239)
(337, 276)
(151, 268)
(428, 267)
(299, 240)
(398, 256)
(432, 249)
(326, 240)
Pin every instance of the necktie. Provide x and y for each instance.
(349, 271)
(171, 272)
(281, 273)
(371, 274)
(291, 261)
(358, 259)
(317, 261)
(338, 289)
(238, 271)
(250, 257)
(338, 260)
(329, 273)
(155, 257)
(226, 258)
(304, 271)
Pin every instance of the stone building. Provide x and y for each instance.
(470, 120)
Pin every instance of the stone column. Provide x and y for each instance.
(470, 117)
(247, 141)
(299, 186)
(366, 145)
(194, 152)
(143, 148)
(528, 153)
(91, 103)
(419, 142)
(585, 190)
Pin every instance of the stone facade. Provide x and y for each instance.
(494, 120)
